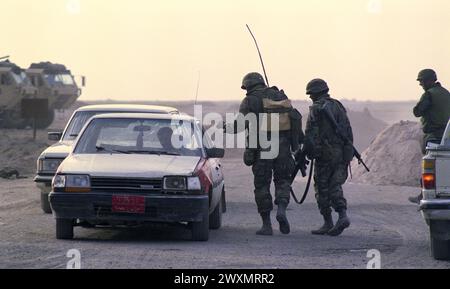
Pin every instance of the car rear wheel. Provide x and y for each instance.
(64, 229)
(440, 248)
(200, 230)
(45, 204)
(215, 219)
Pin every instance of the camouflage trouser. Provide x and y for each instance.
(281, 168)
(329, 179)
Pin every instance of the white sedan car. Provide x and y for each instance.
(128, 169)
(51, 158)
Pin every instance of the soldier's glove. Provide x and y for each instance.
(301, 162)
(228, 128)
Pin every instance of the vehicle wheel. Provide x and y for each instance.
(215, 219)
(200, 230)
(440, 249)
(12, 119)
(224, 202)
(64, 229)
(45, 204)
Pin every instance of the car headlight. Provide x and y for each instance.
(174, 183)
(72, 183)
(59, 182)
(194, 184)
(49, 165)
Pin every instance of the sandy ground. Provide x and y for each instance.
(382, 219)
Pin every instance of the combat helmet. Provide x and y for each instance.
(427, 75)
(252, 79)
(316, 86)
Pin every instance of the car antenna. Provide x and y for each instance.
(259, 53)
(198, 86)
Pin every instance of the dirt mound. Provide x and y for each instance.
(19, 152)
(394, 157)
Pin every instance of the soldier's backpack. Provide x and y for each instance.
(275, 101)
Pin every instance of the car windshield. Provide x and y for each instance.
(65, 79)
(76, 124)
(140, 136)
(20, 78)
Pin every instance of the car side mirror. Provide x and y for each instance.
(55, 136)
(215, 153)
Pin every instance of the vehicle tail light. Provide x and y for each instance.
(429, 181)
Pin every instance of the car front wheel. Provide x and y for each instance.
(45, 204)
(200, 230)
(215, 219)
(64, 229)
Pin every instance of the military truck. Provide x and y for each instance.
(44, 80)
(14, 86)
(55, 83)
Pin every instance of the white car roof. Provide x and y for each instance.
(130, 108)
(145, 116)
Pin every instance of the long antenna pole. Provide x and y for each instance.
(259, 52)
(198, 86)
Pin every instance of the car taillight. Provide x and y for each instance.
(203, 171)
(429, 181)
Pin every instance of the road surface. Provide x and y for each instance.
(382, 219)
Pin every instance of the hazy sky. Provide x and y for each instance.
(153, 50)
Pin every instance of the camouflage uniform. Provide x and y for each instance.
(280, 168)
(327, 148)
(331, 153)
(434, 111)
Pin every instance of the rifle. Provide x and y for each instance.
(4, 57)
(301, 164)
(342, 135)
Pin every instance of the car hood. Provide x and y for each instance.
(128, 165)
(58, 150)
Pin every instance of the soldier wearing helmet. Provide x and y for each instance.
(433, 109)
(261, 99)
(332, 156)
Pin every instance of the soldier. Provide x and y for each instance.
(434, 111)
(262, 99)
(332, 156)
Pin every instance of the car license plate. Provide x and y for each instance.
(128, 204)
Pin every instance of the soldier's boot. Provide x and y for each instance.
(342, 223)
(327, 225)
(282, 218)
(266, 229)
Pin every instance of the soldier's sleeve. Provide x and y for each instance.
(232, 128)
(423, 105)
(311, 132)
